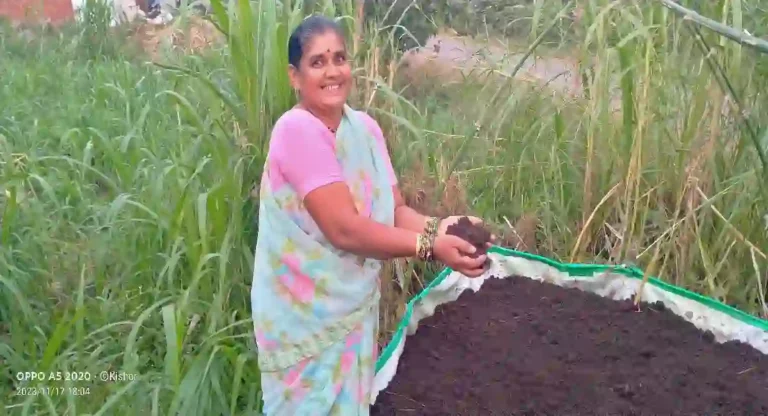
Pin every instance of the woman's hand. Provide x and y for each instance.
(454, 252)
(442, 227)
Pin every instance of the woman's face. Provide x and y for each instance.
(324, 76)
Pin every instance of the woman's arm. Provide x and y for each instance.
(405, 216)
(302, 154)
(333, 209)
(410, 219)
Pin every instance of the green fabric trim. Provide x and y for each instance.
(574, 270)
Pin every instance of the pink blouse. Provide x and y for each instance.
(302, 152)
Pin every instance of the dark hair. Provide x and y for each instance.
(304, 32)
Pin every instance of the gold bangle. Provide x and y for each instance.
(424, 247)
(431, 227)
(430, 234)
(418, 245)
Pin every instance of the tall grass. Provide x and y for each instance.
(660, 165)
(669, 178)
(127, 205)
(126, 237)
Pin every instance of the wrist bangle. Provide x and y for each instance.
(431, 227)
(424, 245)
(430, 233)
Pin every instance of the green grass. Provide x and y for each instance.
(127, 235)
(126, 209)
(560, 159)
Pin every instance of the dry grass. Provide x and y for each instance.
(394, 297)
(420, 191)
(191, 35)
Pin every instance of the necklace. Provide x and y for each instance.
(331, 129)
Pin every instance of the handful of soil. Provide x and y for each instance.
(474, 234)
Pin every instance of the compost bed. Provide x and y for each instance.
(523, 347)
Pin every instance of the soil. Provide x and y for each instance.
(522, 347)
(474, 234)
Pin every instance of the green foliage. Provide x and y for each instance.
(97, 40)
(127, 207)
(126, 237)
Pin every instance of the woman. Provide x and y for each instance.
(330, 211)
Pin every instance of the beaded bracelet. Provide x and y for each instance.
(431, 228)
(426, 240)
(424, 247)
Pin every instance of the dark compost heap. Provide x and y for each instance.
(519, 346)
